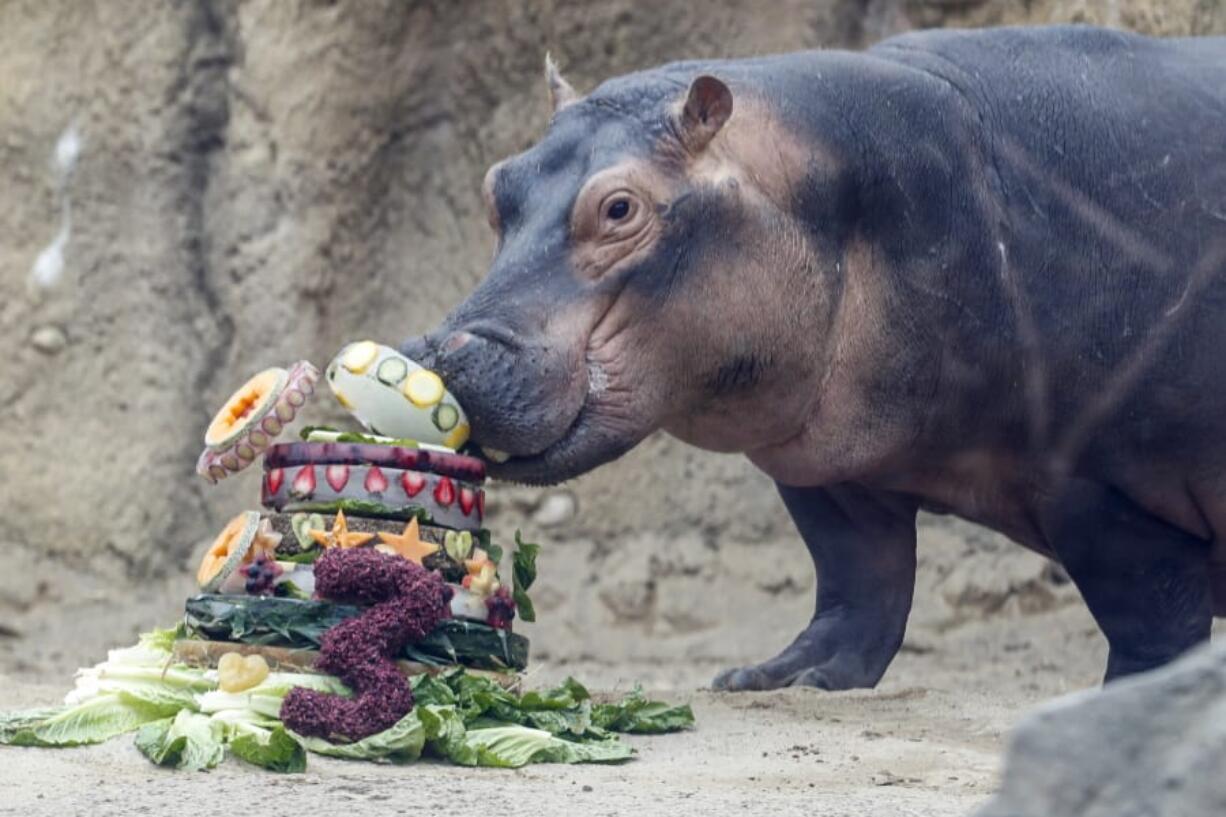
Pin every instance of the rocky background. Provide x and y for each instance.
(193, 190)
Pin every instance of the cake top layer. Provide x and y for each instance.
(444, 463)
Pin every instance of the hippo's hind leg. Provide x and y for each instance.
(863, 546)
(1146, 583)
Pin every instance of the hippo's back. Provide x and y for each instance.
(1121, 132)
(1107, 162)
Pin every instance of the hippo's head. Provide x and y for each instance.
(647, 260)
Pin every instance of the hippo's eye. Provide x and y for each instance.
(618, 209)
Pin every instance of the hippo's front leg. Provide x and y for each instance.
(863, 547)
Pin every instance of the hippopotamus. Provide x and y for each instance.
(980, 273)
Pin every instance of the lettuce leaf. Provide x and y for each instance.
(274, 749)
(14, 726)
(523, 574)
(514, 746)
(162, 640)
(401, 743)
(445, 734)
(507, 746)
(638, 715)
(183, 720)
(100, 718)
(189, 741)
(433, 690)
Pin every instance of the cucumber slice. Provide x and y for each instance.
(445, 417)
(392, 370)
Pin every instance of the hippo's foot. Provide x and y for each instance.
(832, 653)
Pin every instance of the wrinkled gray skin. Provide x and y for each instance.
(981, 273)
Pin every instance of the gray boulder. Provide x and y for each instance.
(1151, 746)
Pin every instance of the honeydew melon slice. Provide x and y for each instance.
(393, 396)
(228, 551)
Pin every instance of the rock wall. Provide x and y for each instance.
(192, 191)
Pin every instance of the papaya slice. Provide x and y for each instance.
(228, 551)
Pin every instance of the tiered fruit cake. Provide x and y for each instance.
(369, 561)
(360, 614)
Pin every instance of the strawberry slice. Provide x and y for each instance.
(413, 482)
(375, 483)
(304, 484)
(337, 476)
(444, 492)
(467, 500)
(273, 479)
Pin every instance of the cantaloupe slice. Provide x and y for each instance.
(245, 408)
(253, 417)
(228, 551)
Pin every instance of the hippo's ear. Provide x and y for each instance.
(561, 94)
(707, 108)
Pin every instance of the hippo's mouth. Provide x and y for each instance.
(589, 441)
(541, 468)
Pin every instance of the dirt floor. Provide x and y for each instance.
(994, 632)
(926, 742)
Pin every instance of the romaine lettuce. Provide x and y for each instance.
(189, 741)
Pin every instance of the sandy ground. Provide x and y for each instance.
(926, 742)
(989, 639)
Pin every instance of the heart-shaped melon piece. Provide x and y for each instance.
(239, 673)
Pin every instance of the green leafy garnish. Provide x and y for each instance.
(638, 715)
(182, 720)
(399, 744)
(188, 741)
(93, 721)
(287, 589)
(273, 749)
(302, 557)
(364, 507)
(327, 434)
(308, 432)
(294, 623)
(523, 574)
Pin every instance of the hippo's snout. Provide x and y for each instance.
(517, 394)
(421, 349)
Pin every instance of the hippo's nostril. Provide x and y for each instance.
(495, 332)
(419, 349)
(454, 342)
